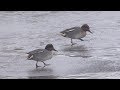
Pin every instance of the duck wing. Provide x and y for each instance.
(36, 51)
(31, 53)
(70, 30)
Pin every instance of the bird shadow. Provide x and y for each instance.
(41, 73)
(40, 70)
(43, 77)
(77, 51)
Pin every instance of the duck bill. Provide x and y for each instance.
(55, 50)
(90, 31)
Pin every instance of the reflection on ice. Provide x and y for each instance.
(40, 73)
(78, 51)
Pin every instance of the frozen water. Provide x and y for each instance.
(97, 57)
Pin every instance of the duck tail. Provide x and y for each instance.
(30, 57)
(63, 34)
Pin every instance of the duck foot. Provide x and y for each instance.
(37, 65)
(81, 39)
(73, 44)
(45, 64)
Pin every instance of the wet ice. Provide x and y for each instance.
(97, 57)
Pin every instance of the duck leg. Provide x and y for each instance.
(72, 42)
(37, 65)
(45, 64)
(81, 39)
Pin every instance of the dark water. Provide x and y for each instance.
(96, 57)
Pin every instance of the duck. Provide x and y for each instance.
(41, 55)
(76, 32)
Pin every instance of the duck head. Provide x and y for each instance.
(85, 27)
(50, 47)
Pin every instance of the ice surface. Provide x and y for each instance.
(98, 56)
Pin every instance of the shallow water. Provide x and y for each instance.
(96, 57)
